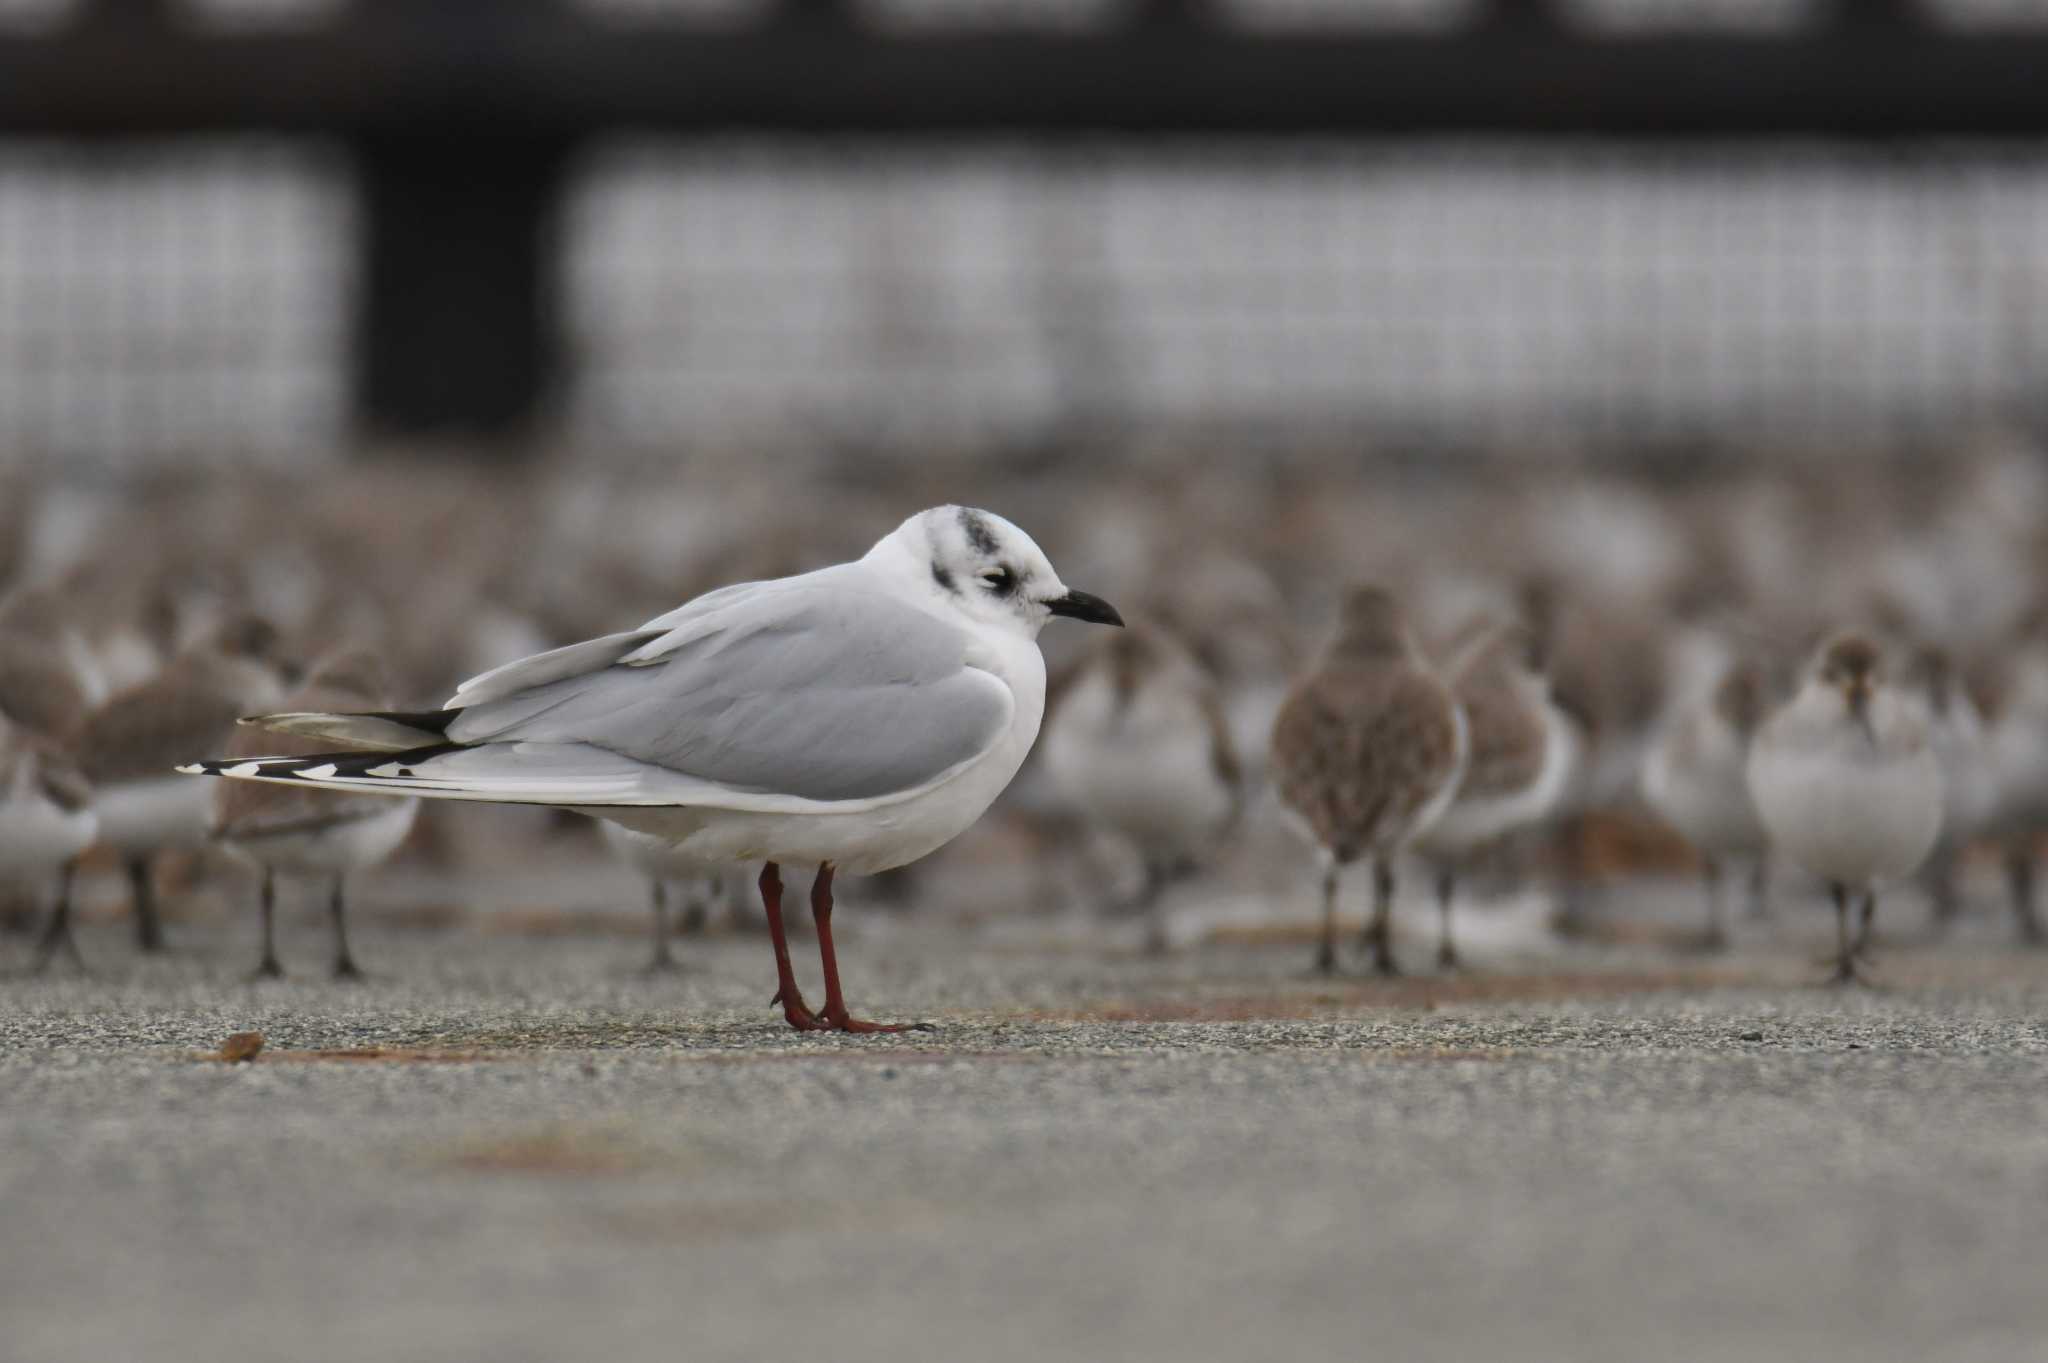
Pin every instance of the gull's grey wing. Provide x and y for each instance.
(640, 645)
(815, 690)
(557, 664)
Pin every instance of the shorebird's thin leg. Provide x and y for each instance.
(149, 928)
(1446, 946)
(697, 907)
(1153, 900)
(1941, 886)
(1717, 930)
(345, 967)
(269, 968)
(1381, 933)
(57, 938)
(1866, 929)
(1326, 954)
(1846, 945)
(834, 1013)
(2019, 876)
(794, 1008)
(1845, 959)
(1760, 888)
(657, 899)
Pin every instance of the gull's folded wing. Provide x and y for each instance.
(556, 664)
(801, 694)
(820, 692)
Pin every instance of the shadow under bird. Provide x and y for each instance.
(1846, 781)
(1366, 755)
(854, 718)
(325, 835)
(1139, 743)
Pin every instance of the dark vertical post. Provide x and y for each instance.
(1170, 16)
(132, 16)
(820, 16)
(457, 331)
(1518, 18)
(1900, 17)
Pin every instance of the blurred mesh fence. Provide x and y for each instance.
(195, 302)
(188, 301)
(1447, 291)
(197, 299)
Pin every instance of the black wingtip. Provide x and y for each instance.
(351, 763)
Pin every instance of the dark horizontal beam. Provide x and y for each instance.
(526, 69)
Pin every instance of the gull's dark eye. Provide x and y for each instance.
(1001, 581)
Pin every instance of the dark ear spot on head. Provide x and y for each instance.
(979, 537)
(943, 577)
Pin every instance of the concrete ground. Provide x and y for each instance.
(509, 1146)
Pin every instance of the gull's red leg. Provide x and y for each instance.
(835, 1014)
(794, 1008)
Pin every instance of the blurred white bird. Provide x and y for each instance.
(1522, 751)
(46, 820)
(47, 674)
(131, 745)
(665, 868)
(2018, 750)
(1696, 777)
(1138, 742)
(1969, 777)
(1846, 781)
(323, 835)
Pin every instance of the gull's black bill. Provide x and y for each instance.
(1084, 606)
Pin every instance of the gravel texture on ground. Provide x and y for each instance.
(513, 1147)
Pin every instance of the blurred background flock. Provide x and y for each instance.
(455, 332)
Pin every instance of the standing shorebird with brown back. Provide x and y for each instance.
(1367, 753)
(130, 746)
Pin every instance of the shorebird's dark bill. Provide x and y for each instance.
(1084, 606)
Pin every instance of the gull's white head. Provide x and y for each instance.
(988, 569)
